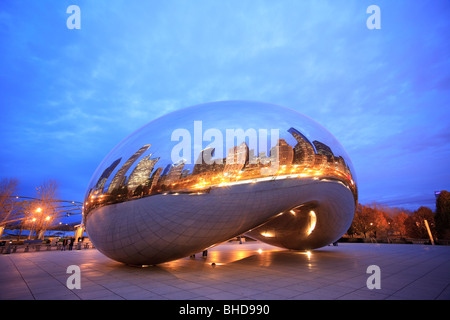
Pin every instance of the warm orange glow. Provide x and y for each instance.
(267, 234)
(312, 225)
(206, 178)
(308, 254)
(38, 210)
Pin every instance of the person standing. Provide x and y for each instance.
(71, 243)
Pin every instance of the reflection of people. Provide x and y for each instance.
(71, 243)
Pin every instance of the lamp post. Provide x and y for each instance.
(429, 231)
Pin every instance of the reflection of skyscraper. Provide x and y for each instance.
(105, 175)
(323, 149)
(175, 172)
(118, 179)
(236, 159)
(204, 161)
(141, 172)
(185, 173)
(166, 170)
(154, 179)
(252, 157)
(304, 150)
(339, 163)
(282, 152)
(320, 161)
(263, 159)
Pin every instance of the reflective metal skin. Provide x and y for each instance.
(202, 175)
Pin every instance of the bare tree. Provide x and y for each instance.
(43, 211)
(8, 187)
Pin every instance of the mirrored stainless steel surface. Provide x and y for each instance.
(199, 176)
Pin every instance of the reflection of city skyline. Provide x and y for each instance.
(305, 159)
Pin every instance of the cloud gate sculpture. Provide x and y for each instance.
(200, 176)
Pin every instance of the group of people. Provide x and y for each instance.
(67, 242)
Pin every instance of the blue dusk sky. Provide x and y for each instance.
(68, 96)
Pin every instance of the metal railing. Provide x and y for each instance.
(22, 248)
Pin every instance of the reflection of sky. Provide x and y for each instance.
(69, 96)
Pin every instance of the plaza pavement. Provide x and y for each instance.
(251, 270)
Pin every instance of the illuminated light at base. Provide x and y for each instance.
(308, 254)
(313, 218)
(267, 234)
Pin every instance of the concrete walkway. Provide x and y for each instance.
(251, 270)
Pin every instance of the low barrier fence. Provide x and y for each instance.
(443, 242)
(9, 248)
